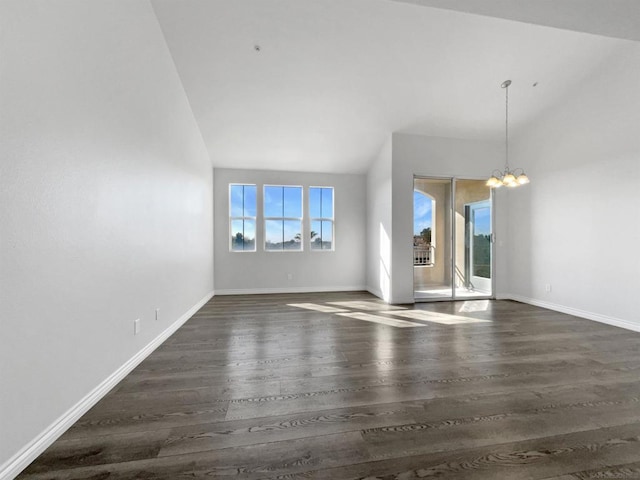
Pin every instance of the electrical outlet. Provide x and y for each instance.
(547, 288)
(136, 326)
(157, 314)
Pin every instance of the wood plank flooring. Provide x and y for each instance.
(342, 386)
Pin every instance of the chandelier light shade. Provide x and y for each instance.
(507, 177)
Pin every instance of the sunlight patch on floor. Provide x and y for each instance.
(436, 317)
(393, 322)
(317, 308)
(475, 306)
(372, 306)
(344, 309)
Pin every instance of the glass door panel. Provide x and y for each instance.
(473, 246)
(480, 246)
(432, 265)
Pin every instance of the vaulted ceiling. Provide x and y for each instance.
(318, 85)
(610, 18)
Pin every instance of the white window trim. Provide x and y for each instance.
(324, 219)
(300, 219)
(243, 218)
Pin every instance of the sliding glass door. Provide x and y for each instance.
(452, 239)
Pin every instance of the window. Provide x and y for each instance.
(321, 217)
(424, 209)
(242, 218)
(282, 218)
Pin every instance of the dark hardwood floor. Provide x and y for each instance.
(342, 386)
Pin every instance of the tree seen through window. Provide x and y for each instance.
(242, 217)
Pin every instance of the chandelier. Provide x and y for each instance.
(508, 177)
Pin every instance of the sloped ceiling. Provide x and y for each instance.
(333, 78)
(610, 18)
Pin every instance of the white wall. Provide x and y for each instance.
(379, 224)
(263, 272)
(437, 157)
(105, 203)
(577, 225)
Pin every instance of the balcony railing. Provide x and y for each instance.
(424, 254)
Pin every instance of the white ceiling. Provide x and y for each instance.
(333, 78)
(611, 18)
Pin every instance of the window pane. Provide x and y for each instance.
(321, 202)
(422, 218)
(249, 234)
(321, 235)
(293, 202)
(327, 203)
(242, 201)
(327, 235)
(237, 235)
(250, 201)
(273, 234)
(243, 235)
(316, 235)
(236, 197)
(314, 202)
(273, 201)
(481, 242)
(292, 234)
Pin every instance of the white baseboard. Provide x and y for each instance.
(506, 296)
(265, 291)
(596, 317)
(21, 460)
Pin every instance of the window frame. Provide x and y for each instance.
(331, 219)
(243, 218)
(265, 218)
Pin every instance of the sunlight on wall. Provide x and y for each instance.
(385, 264)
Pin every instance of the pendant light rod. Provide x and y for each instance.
(507, 177)
(505, 85)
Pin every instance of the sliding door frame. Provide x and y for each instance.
(452, 240)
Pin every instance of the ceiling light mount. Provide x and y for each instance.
(507, 177)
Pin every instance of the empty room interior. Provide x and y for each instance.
(330, 239)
